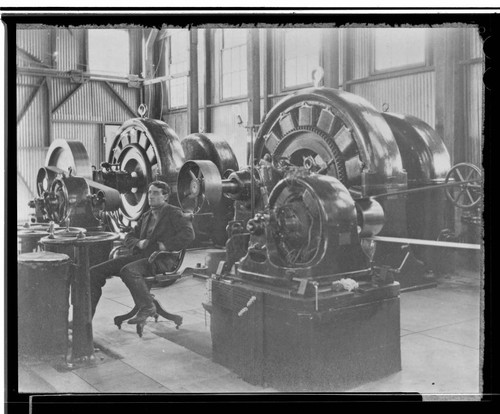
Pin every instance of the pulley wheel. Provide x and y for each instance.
(66, 197)
(468, 191)
(210, 147)
(69, 156)
(149, 150)
(199, 182)
(45, 178)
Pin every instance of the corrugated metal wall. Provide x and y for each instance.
(178, 121)
(95, 102)
(473, 68)
(32, 128)
(77, 115)
(36, 42)
(90, 134)
(29, 161)
(224, 121)
(359, 51)
(69, 43)
(474, 114)
(412, 94)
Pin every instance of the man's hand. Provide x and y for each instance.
(142, 244)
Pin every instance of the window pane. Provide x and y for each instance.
(234, 63)
(291, 72)
(243, 82)
(243, 58)
(301, 55)
(109, 51)
(178, 92)
(226, 86)
(177, 62)
(179, 50)
(234, 37)
(226, 60)
(396, 47)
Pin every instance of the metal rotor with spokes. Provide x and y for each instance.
(468, 191)
(199, 183)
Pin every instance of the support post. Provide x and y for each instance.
(192, 105)
(267, 73)
(83, 342)
(449, 90)
(253, 77)
(208, 80)
(330, 44)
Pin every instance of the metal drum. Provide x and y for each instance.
(29, 237)
(43, 303)
(98, 250)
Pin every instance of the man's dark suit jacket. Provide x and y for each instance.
(173, 229)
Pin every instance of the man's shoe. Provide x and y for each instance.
(142, 315)
(177, 321)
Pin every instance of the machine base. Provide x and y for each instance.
(296, 344)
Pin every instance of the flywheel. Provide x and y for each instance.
(148, 149)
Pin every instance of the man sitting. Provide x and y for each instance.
(163, 227)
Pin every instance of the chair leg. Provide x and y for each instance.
(120, 318)
(140, 328)
(177, 319)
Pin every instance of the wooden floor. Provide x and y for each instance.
(440, 346)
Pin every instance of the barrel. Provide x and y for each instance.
(28, 240)
(43, 303)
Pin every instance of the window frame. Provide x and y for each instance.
(221, 68)
(428, 59)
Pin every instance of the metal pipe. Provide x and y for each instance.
(426, 242)
(252, 172)
(315, 284)
(416, 190)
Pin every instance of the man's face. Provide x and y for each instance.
(156, 197)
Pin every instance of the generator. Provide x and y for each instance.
(303, 309)
(113, 196)
(307, 295)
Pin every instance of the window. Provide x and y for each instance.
(234, 63)
(109, 52)
(177, 66)
(399, 48)
(301, 55)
